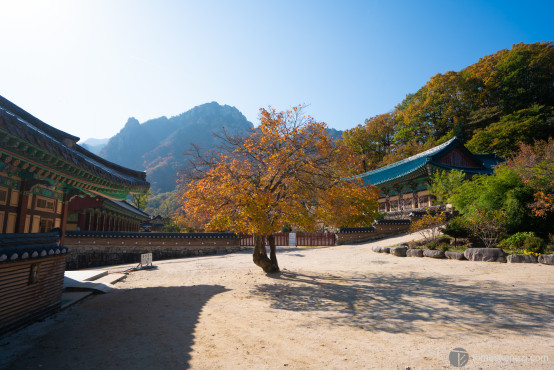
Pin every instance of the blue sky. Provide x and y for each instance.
(86, 66)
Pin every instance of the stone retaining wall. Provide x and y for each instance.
(380, 229)
(93, 249)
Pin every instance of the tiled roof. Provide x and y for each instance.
(129, 208)
(149, 235)
(23, 125)
(350, 230)
(412, 164)
(490, 160)
(26, 247)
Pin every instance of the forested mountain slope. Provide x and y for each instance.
(157, 146)
(504, 99)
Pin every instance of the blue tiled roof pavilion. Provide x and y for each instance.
(449, 155)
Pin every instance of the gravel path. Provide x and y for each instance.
(334, 307)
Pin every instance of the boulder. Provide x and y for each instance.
(454, 255)
(522, 258)
(414, 253)
(547, 259)
(399, 251)
(380, 249)
(485, 254)
(433, 253)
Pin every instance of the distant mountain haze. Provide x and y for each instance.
(157, 145)
(94, 145)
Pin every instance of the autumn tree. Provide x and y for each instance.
(372, 141)
(357, 141)
(140, 201)
(286, 172)
(504, 136)
(535, 165)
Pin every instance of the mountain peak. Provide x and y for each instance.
(157, 145)
(132, 122)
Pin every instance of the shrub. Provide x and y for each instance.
(379, 215)
(515, 241)
(444, 247)
(428, 226)
(456, 228)
(433, 245)
(487, 226)
(534, 245)
(413, 244)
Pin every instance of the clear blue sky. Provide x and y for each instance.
(86, 66)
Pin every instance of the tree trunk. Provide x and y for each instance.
(272, 252)
(260, 255)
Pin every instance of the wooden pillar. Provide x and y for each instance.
(87, 221)
(22, 210)
(65, 210)
(400, 201)
(81, 221)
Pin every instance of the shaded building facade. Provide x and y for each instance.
(42, 169)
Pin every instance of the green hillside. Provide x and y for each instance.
(502, 100)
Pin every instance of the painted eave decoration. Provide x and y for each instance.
(29, 144)
(419, 164)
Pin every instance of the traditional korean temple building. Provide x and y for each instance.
(43, 168)
(87, 213)
(43, 171)
(155, 224)
(403, 185)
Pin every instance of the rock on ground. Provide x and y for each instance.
(433, 253)
(522, 258)
(399, 251)
(485, 254)
(454, 255)
(414, 253)
(547, 259)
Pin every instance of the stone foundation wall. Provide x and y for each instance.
(379, 231)
(352, 238)
(104, 250)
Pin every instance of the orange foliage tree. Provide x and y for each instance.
(535, 165)
(287, 172)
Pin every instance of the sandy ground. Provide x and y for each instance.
(342, 307)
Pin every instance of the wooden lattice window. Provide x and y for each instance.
(46, 225)
(3, 196)
(44, 204)
(423, 201)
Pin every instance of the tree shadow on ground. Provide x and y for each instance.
(138, 328)
(409, 303)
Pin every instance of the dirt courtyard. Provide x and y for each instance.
(342, 307)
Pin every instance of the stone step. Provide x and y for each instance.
(70, 298)
(110, 279)
(86, 275)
